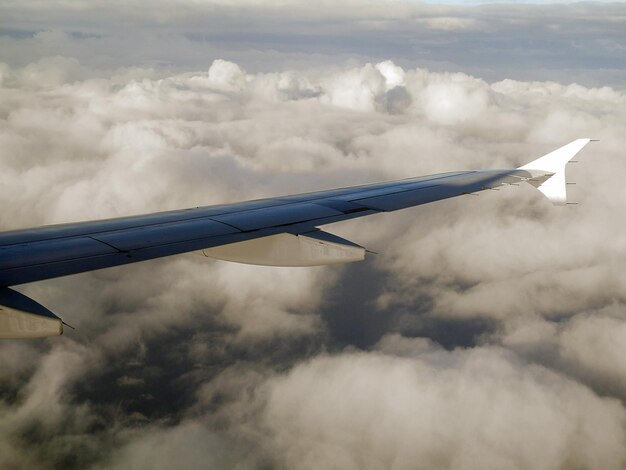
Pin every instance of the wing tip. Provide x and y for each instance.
(553, 164)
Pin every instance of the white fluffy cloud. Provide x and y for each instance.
(463, 410)
(219, 364)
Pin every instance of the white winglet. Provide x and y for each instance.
(549, 171)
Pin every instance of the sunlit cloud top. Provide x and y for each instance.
(488, 332)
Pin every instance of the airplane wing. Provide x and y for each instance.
(280, 231)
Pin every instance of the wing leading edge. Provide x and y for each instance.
(276, 231)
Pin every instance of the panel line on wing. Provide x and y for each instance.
(142, 237)
(50, 251)
(81, 229)
(276, 216)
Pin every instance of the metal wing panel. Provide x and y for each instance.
(275, 216)
(432, 190)
(404, 199)
(51, 232)
(347, 207)
(36, 254)
(50, 251)
(337, 193)
(163, 234)
(64, 267)
(59, 231)
(400, 186)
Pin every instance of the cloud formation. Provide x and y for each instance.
(487, 333)
(434, 409)
(582, 42)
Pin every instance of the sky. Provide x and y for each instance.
(527, 2)
(486, 333)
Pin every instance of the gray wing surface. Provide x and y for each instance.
(280, 231)
(59, 250)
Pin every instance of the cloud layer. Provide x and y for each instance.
(583, 42)
(487, 333)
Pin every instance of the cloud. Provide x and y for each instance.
(161, 449)
(578, 43)
(467, 409)
(451, 23)
(584, 346)
(488, 330)
(453, 101)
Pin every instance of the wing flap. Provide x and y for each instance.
(315, 248)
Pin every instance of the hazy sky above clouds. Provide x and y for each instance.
(488, 332)
(582, 42)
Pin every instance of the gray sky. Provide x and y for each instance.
(582, 42)
(487, 333)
